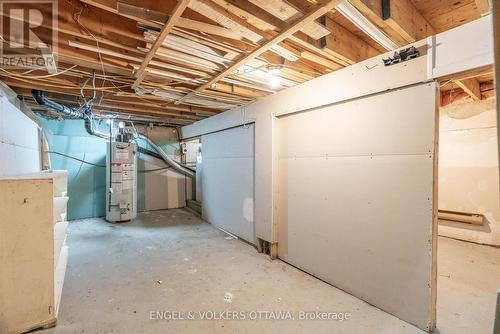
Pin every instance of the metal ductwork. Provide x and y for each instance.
(86, 115)
(43, 101)
(171, 162)
(73, 113)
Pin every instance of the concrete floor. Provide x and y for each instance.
(172, 261)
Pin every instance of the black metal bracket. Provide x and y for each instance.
(402, 55)
(386, 9)
(322, 40)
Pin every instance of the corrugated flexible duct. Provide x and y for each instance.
(171, 162)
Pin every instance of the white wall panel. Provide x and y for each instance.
(449, 53)
(461, 49)
(356, 198)
(228, 180)
(19, 141)
(468, 173)
(164, 189)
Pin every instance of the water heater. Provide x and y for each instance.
(121, 181)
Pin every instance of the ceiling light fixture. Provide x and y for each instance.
(275, 81)
(360, 21)
(274, 73)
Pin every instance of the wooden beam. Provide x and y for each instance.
(452, 95)
(258, 12)
(471, 87)
(167, 28)
(300, 5)
(182, 22)
(288, 13)
(225, 12)
(298, 38)
(267, 35)
(320, 60)
(293, 28)
(372, 10)
(404, 18)
(484, 6)
(345, 44)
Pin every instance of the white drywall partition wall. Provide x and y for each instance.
(356, 198)
(228, 180)
(163, 189)
(464, 48)
(468, 170)
(355, 83)
(19, 141)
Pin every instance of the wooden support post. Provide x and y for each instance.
(273, 252)
(268, 248)
(260, 245)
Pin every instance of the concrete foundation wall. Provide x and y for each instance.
(468, 170)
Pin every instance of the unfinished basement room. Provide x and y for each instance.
(249, 166)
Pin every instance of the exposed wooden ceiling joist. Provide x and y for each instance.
(344, 43)
(404, 18)
(167, 28)
(182, 22)
(471, 87)
(293, 28)
(218, 53)
(372, 10)
(484, 6)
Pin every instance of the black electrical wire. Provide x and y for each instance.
(153, 170)
(75, 158)
(103, 166)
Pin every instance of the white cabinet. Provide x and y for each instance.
(33, 254)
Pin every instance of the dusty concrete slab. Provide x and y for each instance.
(468, 279)
(172, 261)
